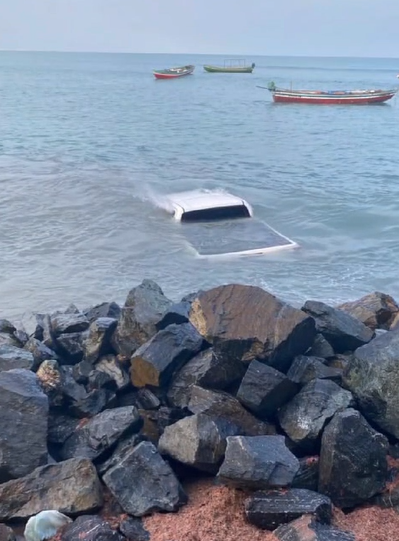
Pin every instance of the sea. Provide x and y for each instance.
(91, 144)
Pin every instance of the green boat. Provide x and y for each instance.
(231, 66)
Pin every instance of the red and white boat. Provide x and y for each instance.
(330, 97)
(174, 73)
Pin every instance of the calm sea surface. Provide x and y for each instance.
(90, 143)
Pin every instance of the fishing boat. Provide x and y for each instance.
(231, 66)
(174, 73)
(330, 97)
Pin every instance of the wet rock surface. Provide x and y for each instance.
(111, 411)
(258, 462)
(142, 482)
(269, 509)
(353, 460)
(343, 331)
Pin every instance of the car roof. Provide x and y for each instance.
(204, 199)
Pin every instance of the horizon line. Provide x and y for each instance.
(195, 54)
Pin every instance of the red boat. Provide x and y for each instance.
(174, 73)
(331, 97)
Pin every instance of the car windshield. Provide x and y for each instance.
(217, 213)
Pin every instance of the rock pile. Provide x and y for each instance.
(296, 407)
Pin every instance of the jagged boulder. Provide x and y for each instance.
(90, 528)
(24, 413)
(264, 390)
(247, 323)
(376, 310)
(305, 369)
(98, 341)
(67, 323)
(105, 309)
(142, 482)
(303, 418)
(269, 509)
(155, 362)
(13, 357)
(258, 462)
(110, 365)
(308, 473)
(133, 529)
(143, 309)
(220, 405)
(71, 487)
(206, 370)
(373, 377)
(198, 441)
(343, 331)
(39, 351)
(353, 460)
(320, 348)
(101, 433)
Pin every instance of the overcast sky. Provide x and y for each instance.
(269, 27)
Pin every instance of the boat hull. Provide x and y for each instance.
(173, 73)
(220, 69)
(366, 99)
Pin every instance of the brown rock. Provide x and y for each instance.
(71, 487)
(376, 310)
(246, 322)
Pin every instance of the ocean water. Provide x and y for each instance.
(91, 143)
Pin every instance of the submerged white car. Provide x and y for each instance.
(219, 224)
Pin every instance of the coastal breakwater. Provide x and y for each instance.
(109, 413)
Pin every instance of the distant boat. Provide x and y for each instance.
(174, 73)
(330, 97)
(231, 66)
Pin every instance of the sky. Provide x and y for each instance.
(258, 27)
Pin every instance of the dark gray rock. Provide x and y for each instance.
(220, 405)
(303, 418)
(100, 380)
(247, 323)
(155, 362)
(9, 340)
(269, 509)
(70, 347)
(133, 529)
(143, 309)
(93, 403)
(198, 441)
(206, 370)
(175, 314)
(6, 327)
(321, 348)
(373, 377)
(258, 462)
(90, 528)
(307, 528)
(264, 390)
(81, 372)
(39, 351)
(44, 331)
(353, 460)
(12, 357)
(308, 473)
(71, 487)
(155, 421)
(305, 369)
(24, 412)
(101, 433)
(143, 482)
(143, 399)
(343, 331)
(69, 323)
(123, 447)
(98, 341)
(105, 309)
(60, 427)
(116, 370)
(376, 310)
